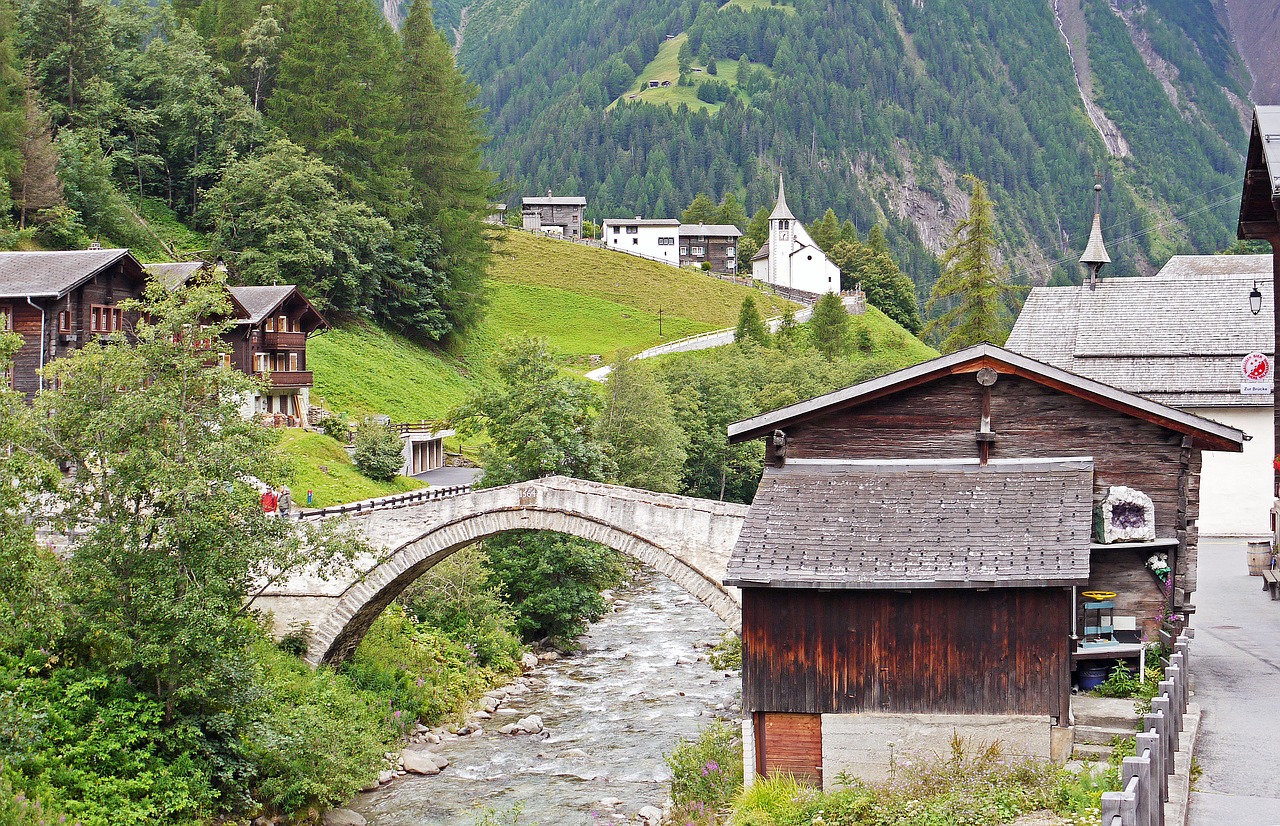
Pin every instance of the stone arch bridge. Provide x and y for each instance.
(687, 539)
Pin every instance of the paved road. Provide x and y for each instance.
(444, 477)
(1236, 674)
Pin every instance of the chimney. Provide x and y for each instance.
(1095, 254)
(94, 245)
(548, 192)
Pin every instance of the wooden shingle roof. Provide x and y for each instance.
(1177, 338)
(917, 524)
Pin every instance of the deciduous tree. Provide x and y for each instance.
(639, 430)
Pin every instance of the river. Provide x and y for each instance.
(612, 711)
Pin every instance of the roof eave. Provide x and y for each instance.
(908, 584)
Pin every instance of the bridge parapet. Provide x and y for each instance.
(687, 539)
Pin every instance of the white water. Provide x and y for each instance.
(612, 712)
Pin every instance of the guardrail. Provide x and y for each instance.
(1145, 778)
(397, 500)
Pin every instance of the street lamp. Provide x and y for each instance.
(1255, 299)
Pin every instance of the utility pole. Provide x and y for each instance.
(659, 322)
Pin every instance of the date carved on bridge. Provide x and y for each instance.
(528, 497)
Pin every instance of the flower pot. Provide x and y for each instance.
(1259, 557)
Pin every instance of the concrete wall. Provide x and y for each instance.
(861, 744)
(1235, 488)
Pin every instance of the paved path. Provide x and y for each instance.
(1236, 674)
(704, 341)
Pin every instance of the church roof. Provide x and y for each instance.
(1096, 251)
(780, 209)
(762, 254)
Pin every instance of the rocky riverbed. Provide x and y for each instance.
(580, 737)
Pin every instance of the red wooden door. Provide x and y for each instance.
(789, 744)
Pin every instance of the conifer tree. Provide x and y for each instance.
(750, 325)
(826, 231)
(13, 96)
(829, 327)
(37, 187)
(973, 287)
(443, 132)
(68, 43)
(756, 235)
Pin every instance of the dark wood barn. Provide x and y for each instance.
(61, 301)
(919, 547)
(1260, 213)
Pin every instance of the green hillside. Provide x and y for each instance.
(585, 301)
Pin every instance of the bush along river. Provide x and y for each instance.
(589, 729)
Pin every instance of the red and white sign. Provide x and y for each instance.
(1256, 374)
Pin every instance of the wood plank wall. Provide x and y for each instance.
(946, 651)
(939, 419)
(789, 744)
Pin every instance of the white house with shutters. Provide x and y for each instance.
(790, 259)
(654, 238)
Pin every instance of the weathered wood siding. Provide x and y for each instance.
(939, 420)
(789, 744)
(926, 651)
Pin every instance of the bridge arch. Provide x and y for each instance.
(686, 539)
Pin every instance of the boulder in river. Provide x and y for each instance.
(650, 816)
(344, 817)
(529, 725)
(529, 660)
(421, 761)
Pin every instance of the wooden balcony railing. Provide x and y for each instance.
(287, 379)
(284, 341)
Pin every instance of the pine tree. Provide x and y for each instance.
(829, 327)
(13, 96)
(876, 240)
(750, 325)
(973, 287)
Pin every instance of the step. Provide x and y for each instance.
(1104, 712)
(1101, 735)
(1089, 752)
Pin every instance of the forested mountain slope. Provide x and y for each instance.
(875, 107)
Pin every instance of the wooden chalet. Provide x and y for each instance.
(269, 340)
(1260, 214)
(60, 301)
(916, 557)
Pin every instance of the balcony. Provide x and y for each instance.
(287, 379)
(284, 341)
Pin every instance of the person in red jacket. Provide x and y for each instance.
(269, 501)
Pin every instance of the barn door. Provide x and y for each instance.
(789, 744)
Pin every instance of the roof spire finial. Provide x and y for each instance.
(780, 209)
(1095, 254)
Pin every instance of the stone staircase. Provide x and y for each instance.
(1098, 721)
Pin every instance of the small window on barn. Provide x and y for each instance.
(226, 360)
(271, 325)
(117, 319)
(64, 321)
(6, 318)
(697, 251)
(684, 250)
(283, 324)
(95, 319)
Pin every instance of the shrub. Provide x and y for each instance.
(422, 673)
(335, 425)
(377, 451)
(706, 772)
(458, 598)
(727, 655)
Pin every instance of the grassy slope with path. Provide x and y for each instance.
(321, 465)
(584, 301)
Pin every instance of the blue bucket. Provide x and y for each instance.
(1093, 675)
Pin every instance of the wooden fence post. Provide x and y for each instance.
(1149, 742)
(1140, 767)
(1179, 661)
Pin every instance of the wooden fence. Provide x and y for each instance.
(398, 500)
(1145, 778)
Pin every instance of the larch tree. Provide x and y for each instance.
(973, 291)
(37, 187)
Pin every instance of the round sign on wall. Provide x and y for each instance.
(1256, 367)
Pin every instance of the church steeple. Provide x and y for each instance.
(780, 209)
(1095, 254)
